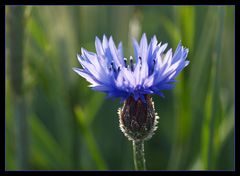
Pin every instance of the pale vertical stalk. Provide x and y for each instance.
(138, 155)
(215, 91)
(16, 36)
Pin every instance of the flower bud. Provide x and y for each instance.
(138, 119)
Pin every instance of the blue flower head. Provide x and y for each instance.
(149, 72)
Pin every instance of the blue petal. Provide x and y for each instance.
(117, 60)
(163, 47)
(152, 52)
(101, 88)
(136, 48)
(106, 49)
(99, 48)
(143, 98)
(143, 48)
(165, 86)
(85, 75)
(136, 96)
(156, 91)
(120, 50)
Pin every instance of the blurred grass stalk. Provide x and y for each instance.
(214, 113)
(184, 30)
(90, 141)
(16, 39)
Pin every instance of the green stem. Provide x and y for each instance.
(138, 155)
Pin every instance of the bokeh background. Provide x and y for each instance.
(55, 122)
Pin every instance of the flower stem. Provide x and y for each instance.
(138, 155)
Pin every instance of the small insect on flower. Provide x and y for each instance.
(149, 72)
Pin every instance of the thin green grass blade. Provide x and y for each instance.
(89, 138)
(46, 151)
(210, 137)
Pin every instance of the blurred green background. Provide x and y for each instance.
(55, 122)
